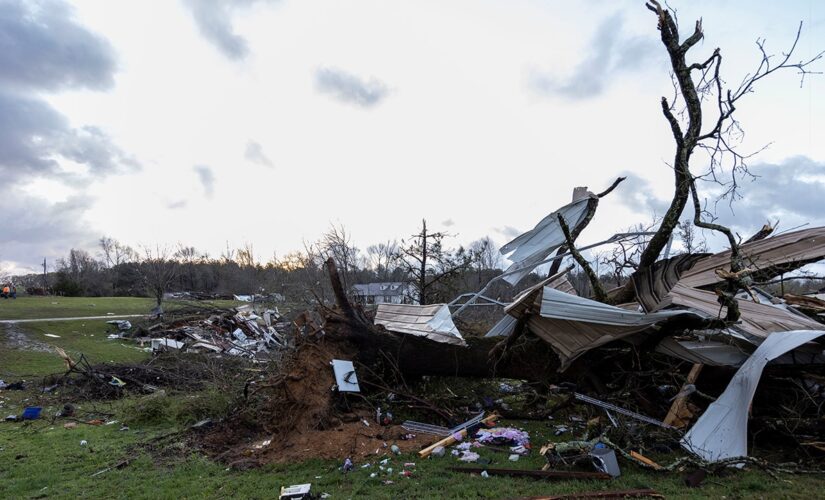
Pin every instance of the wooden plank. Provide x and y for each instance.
(540, 474)
(447, 441)
(679, 406)
(639, 493)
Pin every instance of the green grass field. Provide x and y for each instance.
(29, 307)
(42, 459)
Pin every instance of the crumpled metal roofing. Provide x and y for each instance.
(771, 256)
(722, 430)
(653, 284)
(757, 321)
(574, 325)
(527, 250)
(560, 305)
(431, 321)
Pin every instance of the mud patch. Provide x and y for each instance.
(13, 337)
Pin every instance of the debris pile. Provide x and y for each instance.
(244, 332)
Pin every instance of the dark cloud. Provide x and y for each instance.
(42, 47)
(637, 194)
(791, 190)
(214, 21)
(207, 179)
(32, 228)
(610, 53)
(508, 231)
(349, 88)
(36, 137)
(255, 153)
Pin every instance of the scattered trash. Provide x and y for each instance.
(122, 324)
(52, 335)
(345, 377)
(31, 412)
(604, 459)
(296, 492)
(395, 449)
(84, 442)
(543, 474)
(348, 465)
(70, 425)
(469, 456)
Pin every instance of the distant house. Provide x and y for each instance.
(382, 293)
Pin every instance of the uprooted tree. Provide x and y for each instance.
(700, 97)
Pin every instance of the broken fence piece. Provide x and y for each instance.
(420, 427)
(639, 493)
(617, 409)
(539, 474)
(438, 430)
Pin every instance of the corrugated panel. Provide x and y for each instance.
(532, 247)
(560, 305)
(431, 321)
(653, 284)
(531, 295)
(757, 320)
(706, 353)
(503, 328)
(771, 256)
(574, 325)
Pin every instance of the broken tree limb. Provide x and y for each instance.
(592, 205)
(598, 291)
(763, 233)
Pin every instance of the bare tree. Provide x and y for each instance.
(336, 243)
(694, 100)
(690, 240)
(188, 257)
(157, 271)
(429, 264)
(381, 258)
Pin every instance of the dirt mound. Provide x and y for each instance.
(296, 414)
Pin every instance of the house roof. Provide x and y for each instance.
(372, 289)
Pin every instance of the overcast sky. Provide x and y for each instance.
(215, 122)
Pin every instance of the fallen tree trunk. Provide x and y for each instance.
(530, 359)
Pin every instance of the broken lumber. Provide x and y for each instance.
(447, 441)
(638, 493)
(676, 415)
(538, 474)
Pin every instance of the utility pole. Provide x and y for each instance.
(45, 283)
